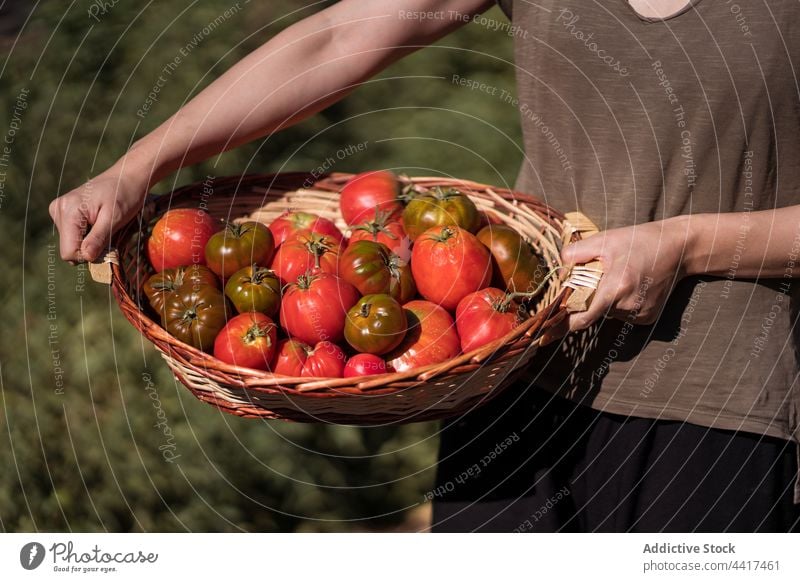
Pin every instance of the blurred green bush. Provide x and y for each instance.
(82, 393)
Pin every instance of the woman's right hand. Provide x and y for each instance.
(88, 215)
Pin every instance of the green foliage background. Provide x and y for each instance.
(89, 459)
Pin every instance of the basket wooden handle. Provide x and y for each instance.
(583, 293)
(100, 269)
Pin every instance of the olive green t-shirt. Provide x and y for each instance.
(631, 120)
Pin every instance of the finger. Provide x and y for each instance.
(69, 225)
(601, 305)
(582, 251)
(97, 238)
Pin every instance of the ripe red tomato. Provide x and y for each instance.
(431, 338)
(384, 230)
(448, 264)
(440, 207)
(306, 252)
(375, 325)
(485, 316)
(314, 309)
(289, 224)
(239, 246)
(372, 268)
(364, 365)
(248, 340)
(368, 192)
(294, 358)
(179, 238)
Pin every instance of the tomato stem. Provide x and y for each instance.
(378, 225)
(258, 330)
(304, 281)
(318, 246)
(446, 234)
(260, 273)
(235, 230)
(535, 292)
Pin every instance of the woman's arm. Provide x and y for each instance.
(302, 70)
(643, 263)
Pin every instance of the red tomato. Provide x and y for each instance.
(306, 252)
(431, 338)
(324, 360)
(179, 238)
(289, 224)
(485, 316)
(315, 308)
(449, 263)
(384, 230)
(248, 340)
(368, 192)
(364, 365)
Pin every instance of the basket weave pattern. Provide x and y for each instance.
(427, 393)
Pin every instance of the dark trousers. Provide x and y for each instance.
(532, 462)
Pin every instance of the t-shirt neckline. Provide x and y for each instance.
(691, 4)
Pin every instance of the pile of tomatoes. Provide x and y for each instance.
(423, 276)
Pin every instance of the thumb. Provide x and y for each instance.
(97, 238)
(582, 251)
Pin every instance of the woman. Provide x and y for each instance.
(673, 126)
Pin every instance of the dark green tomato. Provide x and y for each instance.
(375, 325)
(158, 287)
(238, 246)
(372, 268)
(255, 288)
(516, 267)
(440, 208)
(195, 317)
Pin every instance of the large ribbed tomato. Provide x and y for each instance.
(516, 267)
(383, 229)
(238, 246)
(448, 264)
(485, 316)
(179, 238)
(248, 340)
(297, 359)
(372, 268)
(375, 325)
(368, 192)
(306, 252)
(431, 338)
(158, 287)
(440, 207)
(289, 224)
(314, 309)
(195, 316)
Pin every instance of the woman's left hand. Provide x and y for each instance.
(641, 265)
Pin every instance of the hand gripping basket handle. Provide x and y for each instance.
(583, 279)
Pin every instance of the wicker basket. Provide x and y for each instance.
(427, 393)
